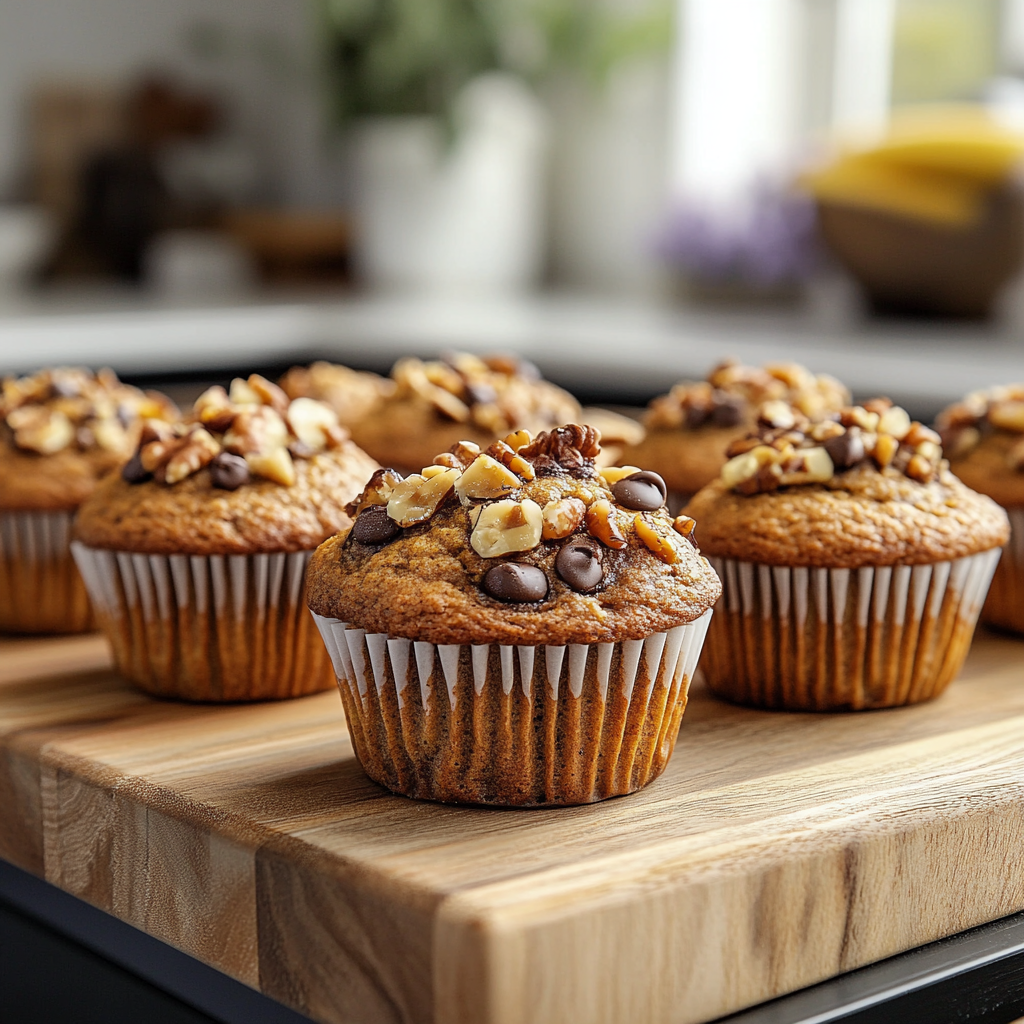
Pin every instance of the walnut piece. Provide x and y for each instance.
(504, 527)
(486, 478)
(602, 525)
(562, 516)
(417, 497)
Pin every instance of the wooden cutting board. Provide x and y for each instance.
(777, 850)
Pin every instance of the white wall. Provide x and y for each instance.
(112, 39)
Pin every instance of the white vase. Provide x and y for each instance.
(461, 215)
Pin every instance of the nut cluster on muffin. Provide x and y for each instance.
(496, 393)
(787, 448)
(733, 392)
(72, 408)
(1000, 410)
(253, 430)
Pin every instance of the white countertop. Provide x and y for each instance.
(622, 351)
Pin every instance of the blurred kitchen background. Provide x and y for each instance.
(623, 190)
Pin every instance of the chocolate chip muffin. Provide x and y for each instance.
(984, 438)
(61, 431)
(352, 394)
(195, 554)
(854, 564)
(514, 627)
(689, 429)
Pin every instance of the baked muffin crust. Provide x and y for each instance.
(428, 582)
(63, 430)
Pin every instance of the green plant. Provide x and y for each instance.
(388, 57)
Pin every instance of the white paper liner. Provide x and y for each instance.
(1004, 606)
(208, 627)
(40, 588)
(426, 718)
(826, 638)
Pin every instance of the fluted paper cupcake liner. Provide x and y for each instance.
(834, 639)
(41, 591)
(513, 725)
(1004, 606)
(208, 627)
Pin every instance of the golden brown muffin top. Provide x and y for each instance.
(528, 542)
(352, 394)
(194, 517)
(247, 471)
(984, 438)
(869, 488)
(496, 393)
(63, 429)
(732, 394)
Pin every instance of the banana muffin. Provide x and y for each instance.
(61, 431)
(352, 394)
(689, 429)
(854, 564)
(514, 627)
(984, 438)
(195, 554)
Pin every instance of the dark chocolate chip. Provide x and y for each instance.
(480, 393)
(579, 564)
(229, 472)
(697, 416)
(642, 492)
(846, 450)
(513, 582)
(728, 411)
(133, 471)
(375, 526)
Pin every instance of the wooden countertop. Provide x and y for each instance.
(776, 851)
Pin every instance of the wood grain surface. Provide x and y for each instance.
(777, 849)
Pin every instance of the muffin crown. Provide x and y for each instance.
(732, 394)
(254, 430)
(786, 449)
(73, 409)
(965, 424)
(495, 393)
(526, 542)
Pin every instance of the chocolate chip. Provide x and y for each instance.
(642, 492)
(728, 411)
(229, 472)
(480, 393)
(513, 582)
(133, 471)
(579, 564)
(846, 450)
(375, 526)
(697, 416)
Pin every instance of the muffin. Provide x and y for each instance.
(854, 564)
(352, 394)
(984, 438)
(689, 429)
(463, 397)
(195, 554)
(61, 431)
(514, 627)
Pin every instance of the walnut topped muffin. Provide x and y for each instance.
(689, 429)
(195, 554)
(869, 488)
(984, 437)
(61, 431)
(247, 471)
(854, 563)
(352, 394)
(461, 397)
(526, 547)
